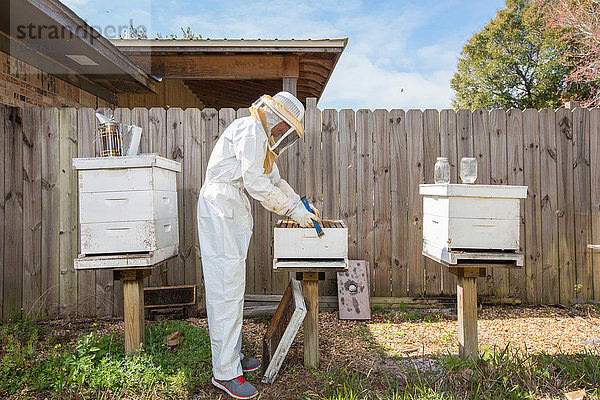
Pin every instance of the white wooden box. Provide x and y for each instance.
(470, 217)
(301, 247)
(128, 205)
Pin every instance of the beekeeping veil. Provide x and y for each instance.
(271, 111)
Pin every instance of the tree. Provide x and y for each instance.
(513, 62)
(580, 22)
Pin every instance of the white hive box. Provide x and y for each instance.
(128, 205)
(470, 218)
(301, 248)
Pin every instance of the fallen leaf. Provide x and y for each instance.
(578, 395)
(467, 374)
(174, 339)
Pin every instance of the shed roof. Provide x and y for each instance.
(235, 72)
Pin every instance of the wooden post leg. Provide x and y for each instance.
(466, 295)
(133, 293)
(310, 286)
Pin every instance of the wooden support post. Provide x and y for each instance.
(290, 85)
(466, 295)
(310, 286)
(133, 303)
(133, 293)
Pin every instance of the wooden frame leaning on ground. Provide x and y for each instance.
(363, 167)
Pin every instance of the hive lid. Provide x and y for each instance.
(142, 160)
(469, 190)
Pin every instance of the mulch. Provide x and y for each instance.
(368, 346)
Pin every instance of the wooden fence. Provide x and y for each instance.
(361, 166)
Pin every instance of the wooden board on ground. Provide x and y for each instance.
(169, 296)
(282, 330)
(353, 291)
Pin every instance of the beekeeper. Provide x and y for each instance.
(242, 159)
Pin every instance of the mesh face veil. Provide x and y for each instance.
(290, 110)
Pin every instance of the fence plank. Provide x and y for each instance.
(595, 194)
(192, 182)
(32, 211)
(531, 163)
(399, 206)
(382, 211)
(464, 130)
(314, 162)
(348, 168)
(364, 141)
(431, 150)
(582, 201)
(481, 152)
(86, 280)
(566, 217)
(331, 184)
(414, 149)
(175, 150)
(67, 189)
(514, 149)
(13, 235)
(50, 202)
(3, 119)
(498, 176)
(448, 138)
(139, 117)
(548, 204)
(157, 143)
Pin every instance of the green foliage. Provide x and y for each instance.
(97, 363)
(513, 62)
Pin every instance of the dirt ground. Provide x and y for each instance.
(392, 337)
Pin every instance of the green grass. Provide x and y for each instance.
(33, 360)
(499, 374)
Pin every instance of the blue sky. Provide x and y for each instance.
(400, 54)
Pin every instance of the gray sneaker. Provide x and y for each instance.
(236, 387)
(250, 364)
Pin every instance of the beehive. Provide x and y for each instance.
(128, 205)
(465, 217)
(296, 247)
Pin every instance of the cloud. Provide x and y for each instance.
(358, 83)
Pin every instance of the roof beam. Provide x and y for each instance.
(221, 66)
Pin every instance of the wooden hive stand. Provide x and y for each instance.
(310, 264)
(469, 267)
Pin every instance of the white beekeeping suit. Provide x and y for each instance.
(242, 159)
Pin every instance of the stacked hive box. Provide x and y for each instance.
(128, 205)
(463, 218)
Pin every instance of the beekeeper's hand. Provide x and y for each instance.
(316, 212)
(302, 216)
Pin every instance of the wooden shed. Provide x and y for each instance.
(230, 73)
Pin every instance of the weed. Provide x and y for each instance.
(262, 319)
